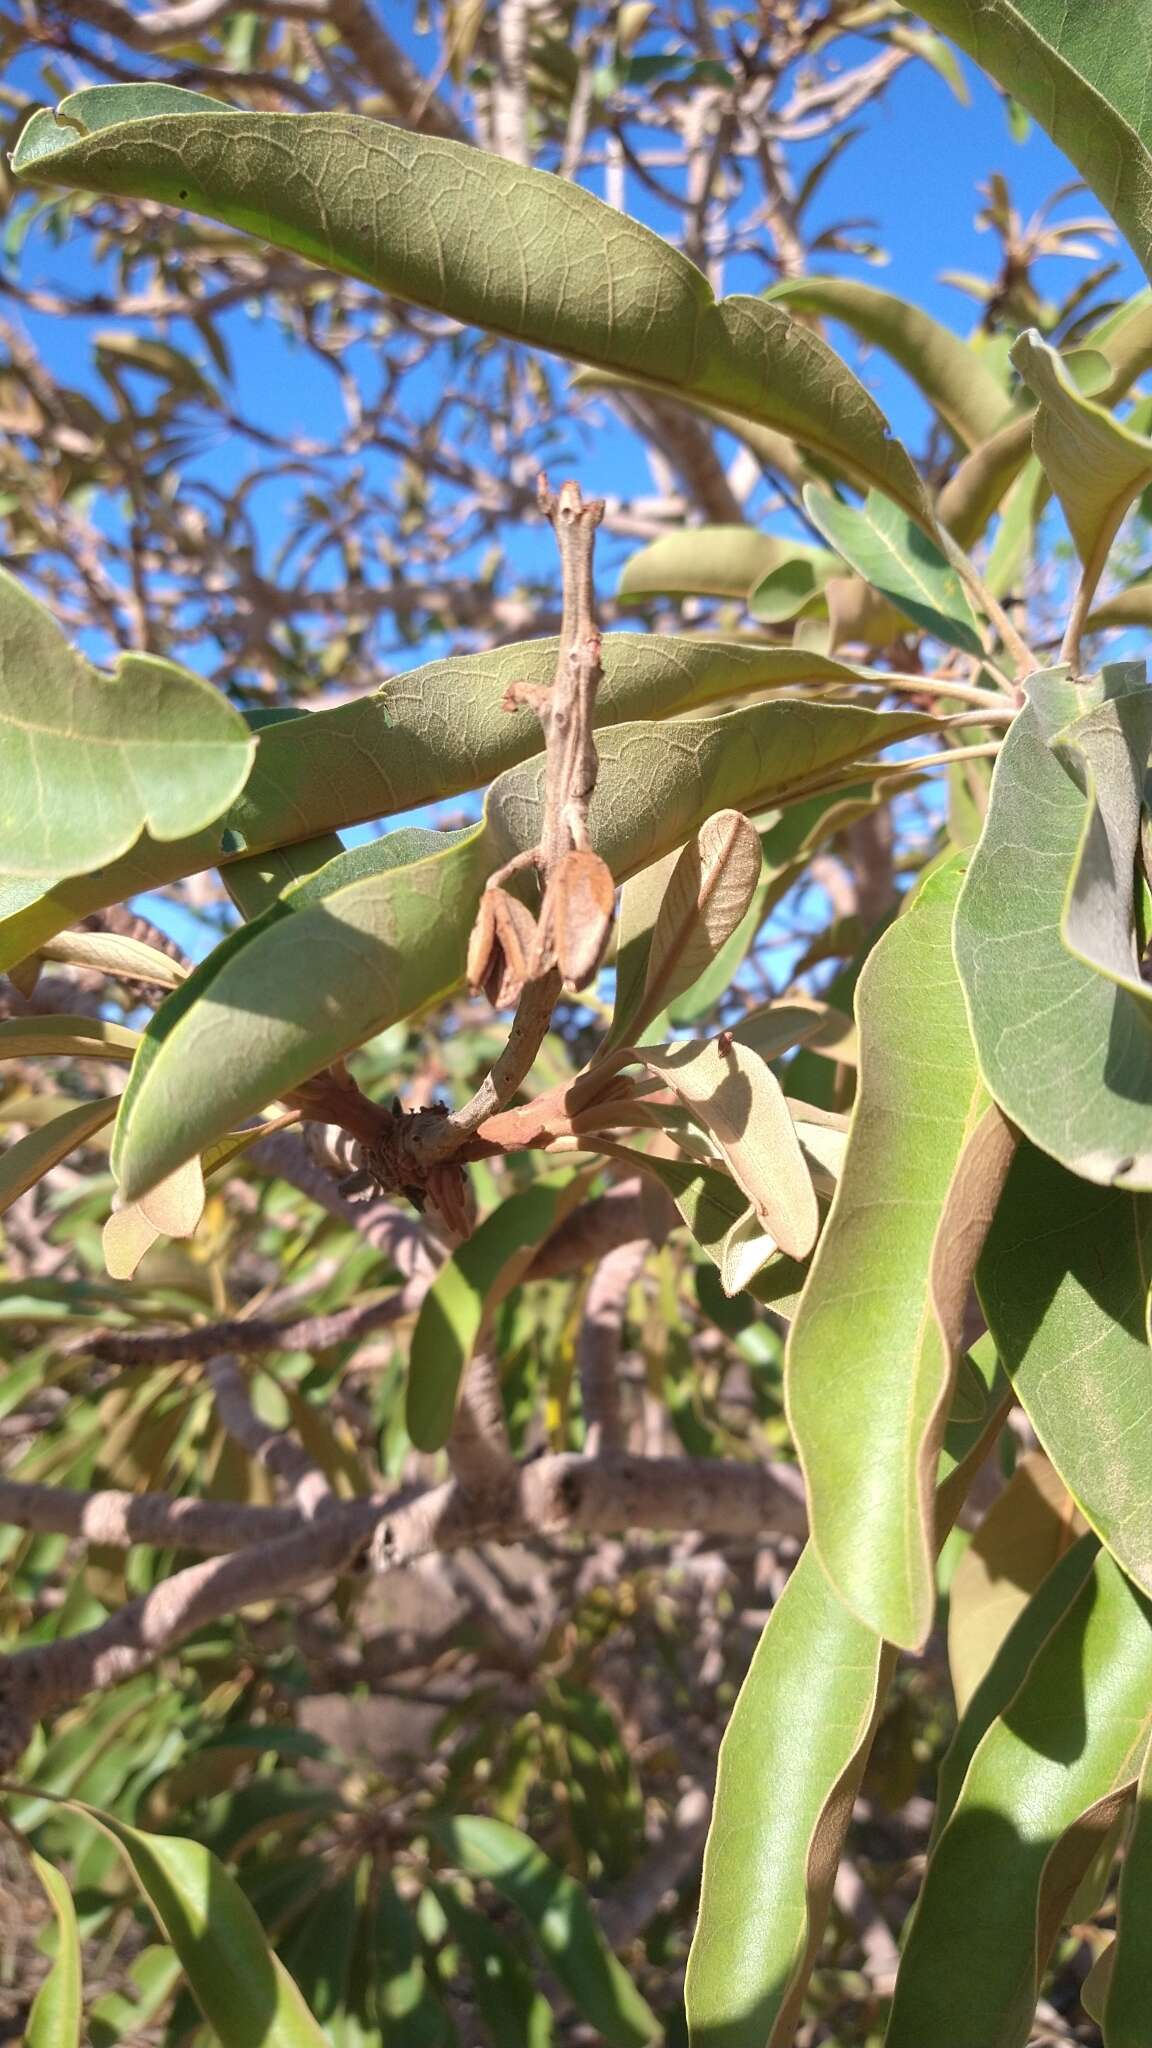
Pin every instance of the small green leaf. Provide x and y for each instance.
(559, 1914)
(35, 1154)
(892, 554)
(57, 2009)
(468, 1287)
(1042, 1789)
(706, 561)
(87, 1038)
(122, 959)
(89, 761)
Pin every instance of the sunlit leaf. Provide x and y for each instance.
(872, 1353)
(1061, 1019)
(1025, 1532)
(382, 941)
(35, 1154)
(892, 554)
(1127, 2014)
(1040, 1794)
(56, 2017)
(89, 761)
(511, 249)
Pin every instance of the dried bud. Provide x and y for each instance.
(581, 905)
(502, 939)
(451, 1193)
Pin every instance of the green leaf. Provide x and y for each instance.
(381, 942)
(88, 1038)
(1061, 1020)
(513, 2011)
(1095, 464)
(1041, 1791)
(1127, 2019)
(946, 369)
(734, 1095)
(122, 959)
(708, 561)
(34, 1155)
(469, 1286)
(1066, 1304)
(57, 2009)
(790, 1766)
(872, 1353)
(892, 554)
(89, 761)
(1083, 74)
(517, 251)
(244, 1992)
(558, 1912)
(796, 588)
(1024, 1534)
(429, 733)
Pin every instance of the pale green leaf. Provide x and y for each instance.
(381, 942)
(1066, 1303)
(1095, 464)
(56, 2016)
(1041, 1792)
(492, 243)
(89, 1038)
(946, 369)
(35, 1154)
(1127, 2015)
(1081, 67)
(736, 1098)
(707, 561)
(872, 1353)
(1025, 1532)
(431, 732)
(893, 555)
(1061, 1020)
(468, 1288)
(122, 958)
(560, 1916)
(89, 761)
(790, 1766)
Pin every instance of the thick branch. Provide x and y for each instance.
(598, 1349)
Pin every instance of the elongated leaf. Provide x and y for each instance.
(57, 2009)
(1083, 74)
(480, 1273)
(1025, 1532)
(736, 1097)
(707, 561)
(1066, 1304)
(492, 243)
(430, 733)
(1061, 1020)
(790, 1766)
(1095, 464)
(1131, 606)
(1127, 2018)
(1034, 1623)
(122, 958)
(946, 369)
(513, 2011)
(558, 1912)
(88, 761)
(35, 1154)
(90, 1038)
(872, 1354)
(1040, 1793)
(380, 944)
(897, 559)
(242, 1989)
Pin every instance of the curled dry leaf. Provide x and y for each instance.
(580, 906)
(500, 948)
(738, 1100)
(708, 892)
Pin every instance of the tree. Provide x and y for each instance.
(309, 1324)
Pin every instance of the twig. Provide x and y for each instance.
(598, 1347)
(276, 1449)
